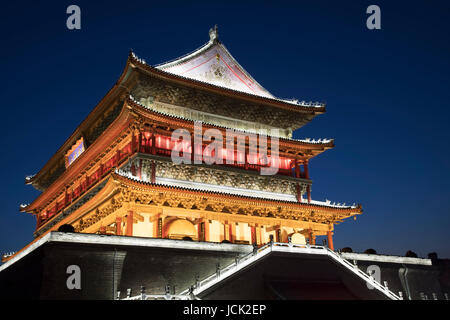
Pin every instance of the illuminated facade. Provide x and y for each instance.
(115, 174)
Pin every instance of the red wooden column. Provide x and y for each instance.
(201, 231)
(192, 149)
(253, 229)
(256, 234)
(259, 235)
(117, 158)
(278, 235)
(245, 156)
(330, 240)
(292, 166)
(312, 238)
(133, 142)
(66, 198)
(100, 171)
(226, 231)
(140, 141)
(232, 231)
(153, 142)
(118, 226)
(297, 169)
(246, 161)
(207, 222)
(129, 231)
(306, 176)
(306, 170)
(82, 185)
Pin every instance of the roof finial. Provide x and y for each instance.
(214, 34)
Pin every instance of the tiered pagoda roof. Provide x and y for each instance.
(94, 174)
(122, 121)
(213, 66)
(213, 63)
(233, 82)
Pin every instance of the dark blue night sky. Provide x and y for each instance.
(387, 94)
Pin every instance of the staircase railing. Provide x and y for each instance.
(257, 254)
(369, 279)
(158, 297)
(239, 264)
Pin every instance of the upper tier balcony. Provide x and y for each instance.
(162, 146)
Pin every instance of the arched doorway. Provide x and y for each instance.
(180, 229)
(298, 238)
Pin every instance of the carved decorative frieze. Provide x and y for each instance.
(215, 176)
(211, 103)
(99, 214)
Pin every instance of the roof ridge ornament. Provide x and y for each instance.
(214, 34)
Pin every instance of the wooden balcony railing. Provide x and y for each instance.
(156, 145)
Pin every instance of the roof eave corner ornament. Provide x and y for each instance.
(29, 179)
(214, 34)
(132, 55)
(23, 207)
